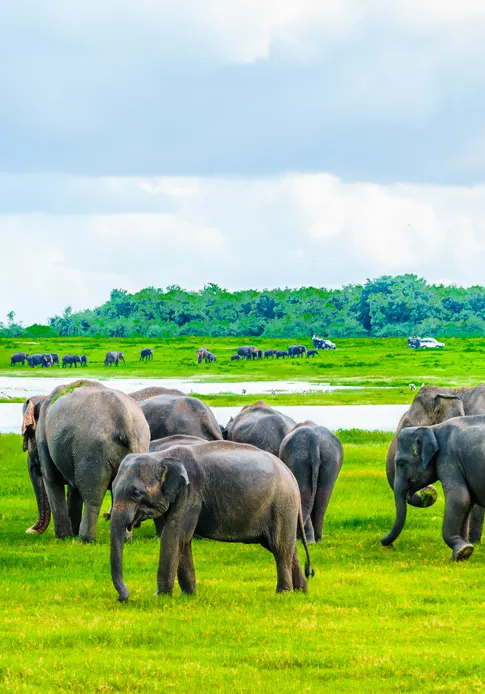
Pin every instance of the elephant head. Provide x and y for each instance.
(431, 405)
(31, 411)
(415, 469)
(146, 486)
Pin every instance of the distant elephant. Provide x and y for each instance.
(43, 360)
(55, 358)
(19, 358)
(151, 391)
(296, 350)
(270, 353)
(281, 354)
(259, 354)
(217, 490)
(312, 353)
(453, 453)
(171, 414)
(235, 357)
(201, 354)
(146, 354)
(259, 425)
(83, 360)
(433, 405)
(70, 359)
(247, 352)
(315, 456)
(82, 432)
(114, 358)
(211, 357)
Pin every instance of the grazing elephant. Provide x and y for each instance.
(281, 354)
(296, 350)
(217, 490)
(114, 358)
(312, 353)
(315, 456)
(19, 358)
(247, 352)
(152, 391)
(55, 358)
(261, 426)
(170, 414)
(43, 360)
(270, 354)
(433, 405)
(83, 360)
(201, 354)
(235, 357)
(146, 354)
(453, 453)
(82, 433)
(70, 359)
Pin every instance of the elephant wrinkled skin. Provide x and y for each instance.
(259, 425)
(169, 414)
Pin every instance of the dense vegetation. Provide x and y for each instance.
(374, 620)
(383, 307)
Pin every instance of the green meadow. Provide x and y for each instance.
(369, 363)
(374, 620)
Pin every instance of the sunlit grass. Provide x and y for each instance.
(374, 620)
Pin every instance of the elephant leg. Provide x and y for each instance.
(326, 483)
(284, 569)
(476, 524)
(298, 577)
(457, 511)
(168, 562)
(306, 507)
(186, 570)
(309, 531)
(75, 508)
(159, 523)
(44, 511)
(57, 500)
(87, 529)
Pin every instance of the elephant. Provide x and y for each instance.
(211, 357)
(247, 352)
(258, 354)
(82, 432)
(259, 425)
(281, 354)
(70, 359)
(270, 354)
(83, 360)
(452, 452)
(55, 359)
(43, 360)
(170, 414)
(202, 353)
(217, 490)
(433, 405)
(114, 358)
(235, 357)
(315, 457)
(152, 391)
(146, 354)
(296, 350)
(312, 353)
(19, 358)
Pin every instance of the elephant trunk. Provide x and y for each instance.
(122, 518)
(44, 510)
(400, 497)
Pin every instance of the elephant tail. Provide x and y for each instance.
(309, 572)
(315, 469)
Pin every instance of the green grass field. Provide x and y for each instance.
(374, 620)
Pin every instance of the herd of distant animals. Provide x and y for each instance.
(247, 352)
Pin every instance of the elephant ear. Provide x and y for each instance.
(429, 445)
(29, 424)
(173, 478)
(446, 407)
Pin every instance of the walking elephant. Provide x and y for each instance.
(146, 354)
(114, 358)
(296, 350)
(453, 453)
(82, 433)
(433, 405)
(315, 457)
(270, 354)
(171, 414)
(312, 353)
(216, 490)
(259, 425)
(281, 354)
(19, 358)
(247, 352)
(70, 359)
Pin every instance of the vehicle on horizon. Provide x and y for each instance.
(320, 343)
(424, 343)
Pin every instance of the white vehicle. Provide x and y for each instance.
(430, 343)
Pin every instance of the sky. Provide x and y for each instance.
(253, 144)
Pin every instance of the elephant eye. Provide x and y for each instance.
(137, 495)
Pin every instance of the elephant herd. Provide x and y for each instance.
(112, 358)
(251, 353)
(261, 479)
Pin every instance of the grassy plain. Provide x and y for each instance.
(358, 362)
(374, 620)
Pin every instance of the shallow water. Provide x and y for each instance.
(19, 387)
(371, 417)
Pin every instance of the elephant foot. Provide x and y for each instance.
(428, 495)
(463, 553)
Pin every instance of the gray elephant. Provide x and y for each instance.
(146, 354)
(433, 405)
(296, 350)
(70, 359)
(114, 358)
(281, 354)
(217, 490)
(270, 353)
(453, 453)
(312, 353)
(247, 352)
(202, 354)
(19, 358)
(259, 425)
(152, 391)
(171, 414)
(82, 433)
(315, 457)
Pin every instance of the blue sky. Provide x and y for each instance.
(283, 142)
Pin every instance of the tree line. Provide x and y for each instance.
(383, 307)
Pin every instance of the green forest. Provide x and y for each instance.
(384, 307)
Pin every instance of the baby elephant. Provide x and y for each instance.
(453, 453)
(315, 456)
(219, 490)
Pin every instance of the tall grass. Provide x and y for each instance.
(374, 620)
